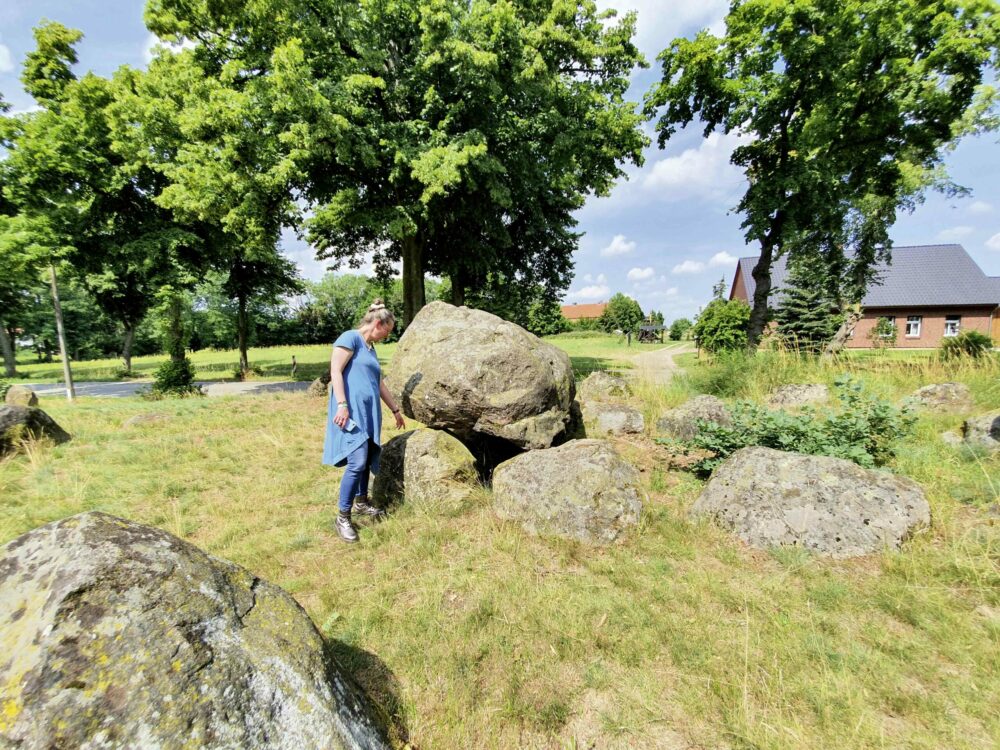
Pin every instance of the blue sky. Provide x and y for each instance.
(664, 236)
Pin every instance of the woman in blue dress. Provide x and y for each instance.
(354, 415)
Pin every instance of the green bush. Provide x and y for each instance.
(4, 387)
(722, 325)
(966, 344)
(865, 430)
(175, 378)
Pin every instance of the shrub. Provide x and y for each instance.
(865, 430)
(4, 387)
(966, 344)
(722, 325)
(123, 372)
(175, 377)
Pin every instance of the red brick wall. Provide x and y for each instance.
(931, 325)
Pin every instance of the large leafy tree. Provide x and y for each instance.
(846, 106)
(455, 136)
(622, 314)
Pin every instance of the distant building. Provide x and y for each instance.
(574, 313)
(930, 292)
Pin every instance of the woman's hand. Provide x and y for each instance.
(341, 417)
(400, 424)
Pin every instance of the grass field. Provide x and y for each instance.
(470, 633)
(589, 352)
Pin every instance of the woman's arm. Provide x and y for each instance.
(383, 391)
(338, 361)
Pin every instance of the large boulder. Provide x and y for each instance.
(17, 422)
(118, 635)
(319, 388)
(581, 490)
(600, 386)
(21, 395)
(944, 397)
(681, 423)
(826, 505)
(424, 466)
(474, 374)
(983, 431)
(798, 394)
(604, 418)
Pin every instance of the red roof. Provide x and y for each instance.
(583, 312)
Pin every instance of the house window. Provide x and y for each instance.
(891, 321)
(913, 327)
(952, 324)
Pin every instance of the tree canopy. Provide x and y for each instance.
(845, 108)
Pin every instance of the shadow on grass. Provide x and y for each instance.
(377, 682)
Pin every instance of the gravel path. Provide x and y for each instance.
(132, 388)
(657, 366)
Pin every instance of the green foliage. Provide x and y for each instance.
(175, 378)
(808, 315)
(865, 430)
(971, 344)
(679, 328)
(4, 387)
(883, 334)
(847, 108)
(722, 325)
(655, 318)
(622, 314)
(545, 318)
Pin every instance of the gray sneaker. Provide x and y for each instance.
(362, 506)
(346, 529)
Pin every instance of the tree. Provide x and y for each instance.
(622, 314)
(545, 318)
(808, 315)
(655, 318)
(722, 325)
(456, 136)
(846, 108)
(679, 328)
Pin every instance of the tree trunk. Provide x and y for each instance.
(836, 344)
(63, 349)
(241, 332)
(175, 345)
(7, 347)
(458, 288)
(127, 343)
(758, 314)
(413, 278)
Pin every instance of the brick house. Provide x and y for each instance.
(575, 313)
(929, 292)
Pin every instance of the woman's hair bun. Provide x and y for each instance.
(377, 304)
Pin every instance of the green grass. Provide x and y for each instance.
(597, 352)
(471, 633)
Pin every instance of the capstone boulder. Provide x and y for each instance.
(830, 506)
(118, 635)
(21, 395)
(424, 466)
(18, 422)
(473, 374)
(944, 397)
(580, 490)
(681, 422)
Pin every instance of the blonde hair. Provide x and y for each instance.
(377, 311)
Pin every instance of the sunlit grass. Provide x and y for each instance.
(472, 633)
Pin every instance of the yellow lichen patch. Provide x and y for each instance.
(11, 710)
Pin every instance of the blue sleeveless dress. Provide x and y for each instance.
(362, 378)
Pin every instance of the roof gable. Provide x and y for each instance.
(920, 275)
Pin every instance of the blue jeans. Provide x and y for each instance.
(355, 479)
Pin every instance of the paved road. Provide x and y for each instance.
(132, 388)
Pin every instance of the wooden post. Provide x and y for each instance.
(63, 349)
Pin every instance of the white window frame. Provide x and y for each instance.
(917, 322)
(951, 332)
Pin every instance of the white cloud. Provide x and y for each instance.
(980, 208)
(954, 233)
(6, 59)
(722, 259)
(702, 172)
(619, 246)
(993, 243)
(590, 279)
(657, 25)
(689, 266)
(640, 274)
(597, 291)
(153, 41)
